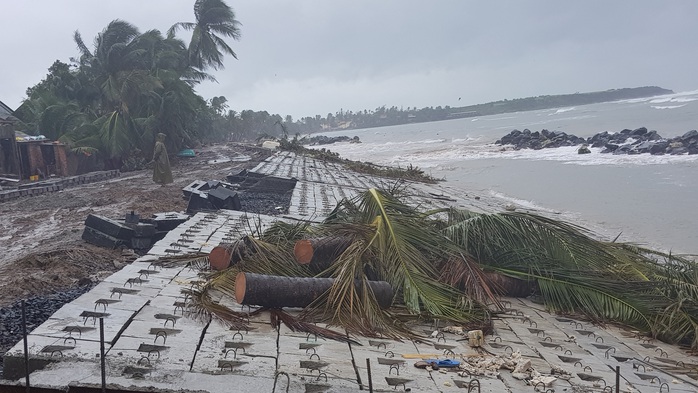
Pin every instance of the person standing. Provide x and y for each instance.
(162, 174)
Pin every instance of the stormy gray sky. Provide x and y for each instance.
(307, 57)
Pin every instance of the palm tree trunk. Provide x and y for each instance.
(279, 291)
(320, 253)
(226, 255)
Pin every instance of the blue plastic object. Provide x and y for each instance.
(186, 153)
(445, 363)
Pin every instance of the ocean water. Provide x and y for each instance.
(649, 200)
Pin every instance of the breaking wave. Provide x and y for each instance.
(668, 106)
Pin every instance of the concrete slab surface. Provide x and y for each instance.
(154, 344)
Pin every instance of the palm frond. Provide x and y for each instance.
(298, 325)
(598, 298)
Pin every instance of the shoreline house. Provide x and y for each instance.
(23, 156)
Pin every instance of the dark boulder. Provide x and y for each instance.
(643, 147)
(658, 148)
(639, 131)
(584, 150)
(611, 147)
(623, 149)
(652, 136)
(693, 134)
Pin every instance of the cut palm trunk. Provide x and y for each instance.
(225, 255)
(510, 286)
(279, 291)
(320, 253)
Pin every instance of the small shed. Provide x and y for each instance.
(22, 155)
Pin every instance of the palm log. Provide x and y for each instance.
(225, 255)
(509, 286)
(320, 253)
(279, 291)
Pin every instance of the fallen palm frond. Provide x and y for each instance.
(203, 308)
(574, 272)
(464, 273)
(196, 260)
(298, 325)
(454, 269)
(677, 280)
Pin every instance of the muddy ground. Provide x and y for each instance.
(40, 237)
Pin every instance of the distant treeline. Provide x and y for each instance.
(383, 116)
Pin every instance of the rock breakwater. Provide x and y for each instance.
(637, 141)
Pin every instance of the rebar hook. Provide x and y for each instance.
(288, 380)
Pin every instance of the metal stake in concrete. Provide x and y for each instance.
(101, 355)
(617, 379)
(26, 345)
(370, 379)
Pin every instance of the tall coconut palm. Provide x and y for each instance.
(120, 66)
(215, 20)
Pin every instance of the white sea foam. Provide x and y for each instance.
(429, 141)
(467, 139)
(685, 96)
(569, 155)
(668, 106)
(562, 110)
(661, 100)
(673, 100)
(519, 202)
(447, 155)
(633, 100)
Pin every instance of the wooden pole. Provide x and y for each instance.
(278, 291)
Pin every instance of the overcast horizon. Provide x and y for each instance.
(311, 57)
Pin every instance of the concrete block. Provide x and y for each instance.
(140, 243)
(195, 186)
(169, 221)
(224, 198)
(109, 227)
(101, 239)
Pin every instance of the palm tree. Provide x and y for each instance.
(215, 20)
(120, 66)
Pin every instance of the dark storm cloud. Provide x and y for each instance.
(312, 57)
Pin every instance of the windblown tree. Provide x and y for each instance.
(215, 21)
(119, 93)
